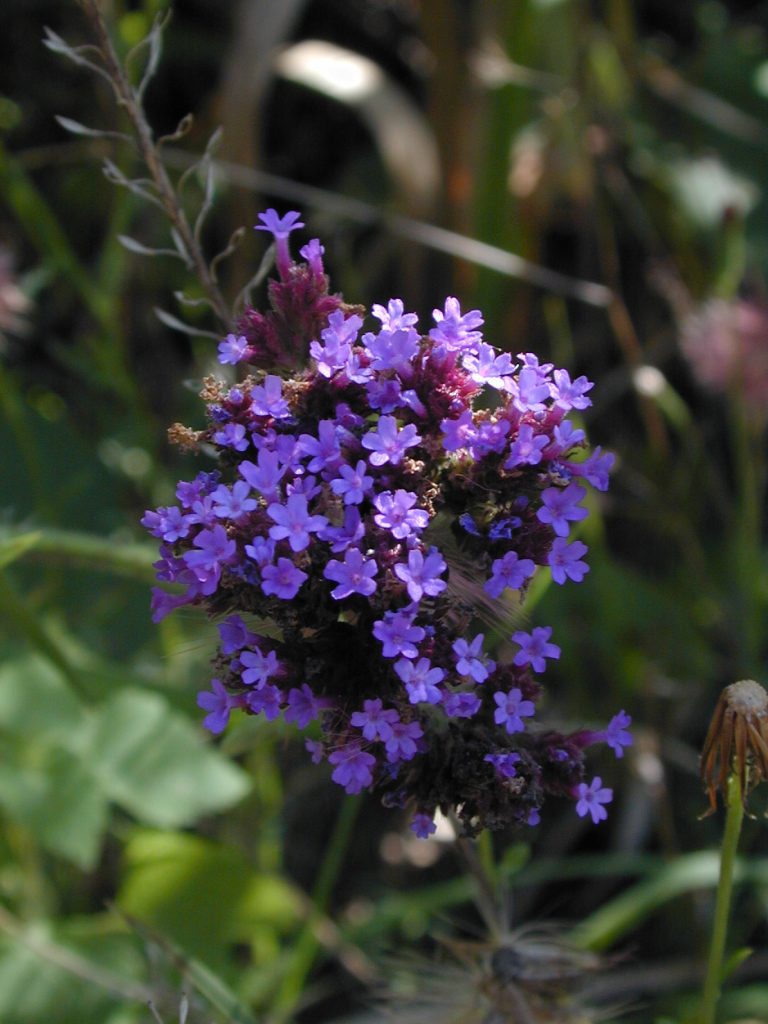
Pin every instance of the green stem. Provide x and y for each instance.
(713, 980)
(308, 943)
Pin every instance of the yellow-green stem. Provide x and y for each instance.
(713, 979)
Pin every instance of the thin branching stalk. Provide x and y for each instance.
(128, 98)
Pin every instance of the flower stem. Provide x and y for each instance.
(308, 942)
(713, 979)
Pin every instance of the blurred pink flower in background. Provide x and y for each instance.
(726, 344)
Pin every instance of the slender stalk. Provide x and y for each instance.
(713, 979)
(478, 857)
(308, 942)
(127, 98)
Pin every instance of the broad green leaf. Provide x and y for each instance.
(53, 794)
(36, 702)
(203, 895)
(156, 764)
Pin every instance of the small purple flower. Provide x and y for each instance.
(232, 435)
(526, 448)
(398, 634)
(338, 338)
(324, 450)
(561, 506)
(570, 394)
(316, 750)
(375, 720)
(421, 574)
(190, 491)
(461, 705)
(262, 550)
(173, 524)
(233, 634)
(348, 534)
(233, 350)
(456, 331)
(267, 398)
(460, 433)
(387, 443)
(595, 469)
(331, 356)
(616, 735)
(384, 395)
(354, 575)
(233, 503)
(218, 703)
(393, 350)
(564, 560)
(202, 511)
(472, 660)
(530, 391)
(397, 514)
(213, 549)
(279, 226)
(504, 763)
(265, 476)
(303, 706)
(565, 437)
(402, 744)
(392, 317)
(352, 484)
(421, 680)
(512, 709)
(591, 799)
(259, 668)
(491, 437)
(266, 700)
(313, 253)
(509, 571)
(283, 580)
(489, 366)
(293, 522)
(354, 768)
(535, 648)
(423, 826)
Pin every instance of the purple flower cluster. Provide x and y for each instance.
(350, 494)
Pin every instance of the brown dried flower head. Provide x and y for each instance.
(737, 741)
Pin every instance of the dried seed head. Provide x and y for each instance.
(737, 741)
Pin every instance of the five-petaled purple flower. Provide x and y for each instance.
(512, 709)
(387, 443)
(565, 560)
(535, 648)
(421, 575)
(591, 798)
(354, 575)
(617, 735)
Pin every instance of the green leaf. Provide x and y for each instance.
(734, 961)
(36, 702)
(167, 874)
(53, 794)
(155, 763)
(57, 974)
(12, 548)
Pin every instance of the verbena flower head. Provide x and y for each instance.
(346, 457)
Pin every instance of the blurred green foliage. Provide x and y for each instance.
(616, 143)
